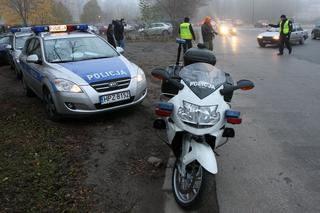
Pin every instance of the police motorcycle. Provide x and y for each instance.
(195, 111)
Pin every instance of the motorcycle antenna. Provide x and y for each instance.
(180, 42)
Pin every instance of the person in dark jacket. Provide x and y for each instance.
(208, 33)
(285, 29)
(119, 32)
(110, 36)
(186, 33)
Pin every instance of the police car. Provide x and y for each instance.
(77, 73)
(20, 36)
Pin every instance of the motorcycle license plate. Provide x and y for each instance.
(115, 97)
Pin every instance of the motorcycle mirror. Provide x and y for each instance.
(245, 85)
(160, 73)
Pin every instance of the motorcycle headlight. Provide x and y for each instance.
(199, 116)
(141, 76)
(63, 85)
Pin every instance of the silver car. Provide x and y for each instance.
(78, 73)
(157, 29)
(20, 36)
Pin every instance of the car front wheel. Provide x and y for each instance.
(51, 109)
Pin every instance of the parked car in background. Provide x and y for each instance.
(93, 29)
(20, 36)
(262, 24)
(316, 31)
(102, 29)
(128, 28)
(271, 37)
(237, 22)
(156, 29)
(5, 41)
(2, 29)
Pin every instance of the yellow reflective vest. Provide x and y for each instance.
(185, 32)
(285, 27)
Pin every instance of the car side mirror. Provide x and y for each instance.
(120, 50)
(9, 47)
(163, 75)
(33, 59)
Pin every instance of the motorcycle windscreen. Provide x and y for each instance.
(203, 79)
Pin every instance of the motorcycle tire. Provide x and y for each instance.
(206, 196)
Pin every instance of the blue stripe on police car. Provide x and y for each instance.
(93, 71)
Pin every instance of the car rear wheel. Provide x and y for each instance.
(51, 109)
(165, 33)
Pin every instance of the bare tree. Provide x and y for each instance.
(23, 8)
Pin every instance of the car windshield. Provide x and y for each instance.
(5, 40)
(20, 41)
(203, 79)
(272, 29)
(77, 49)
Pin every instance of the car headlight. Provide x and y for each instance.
(63, 85)
(224, 30)
(200, 116)
(276, 37)
(260, 36)
(141, 76)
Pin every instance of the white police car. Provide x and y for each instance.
(20, 36)
(78, 73)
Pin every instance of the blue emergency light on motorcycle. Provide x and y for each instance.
(232, 114)
(233, 117)
(164, 109)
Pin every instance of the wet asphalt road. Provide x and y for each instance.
(273, 164)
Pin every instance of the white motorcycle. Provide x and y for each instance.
(195, 110)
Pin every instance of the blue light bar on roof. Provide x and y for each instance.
(40, 29)
(15, 30)
(78, 27)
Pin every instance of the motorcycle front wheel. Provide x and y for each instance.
(194, 190)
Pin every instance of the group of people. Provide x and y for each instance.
(208, 33)
(115, 33)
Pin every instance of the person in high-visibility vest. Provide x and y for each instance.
(186, 33)
(285, 29)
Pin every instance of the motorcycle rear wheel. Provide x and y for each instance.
(203, 191)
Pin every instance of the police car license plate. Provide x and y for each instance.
(116, 97)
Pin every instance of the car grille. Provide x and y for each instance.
(119, 103)
(111, 85)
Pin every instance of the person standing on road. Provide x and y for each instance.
(208, 33)
(119, 32)
(186, 33)
(285, 29)
(110, 36)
